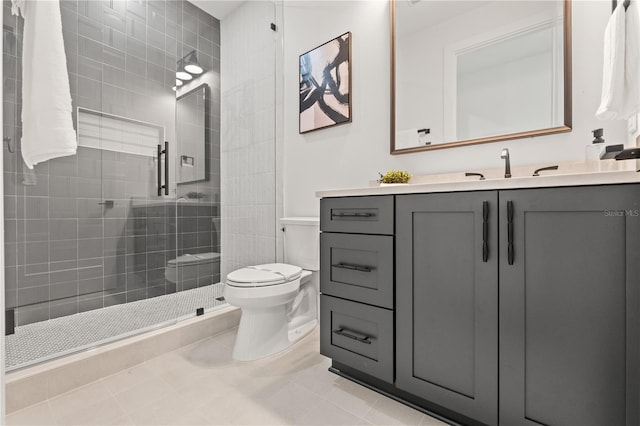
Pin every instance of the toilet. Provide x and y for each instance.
(279, 301)
(192, 266)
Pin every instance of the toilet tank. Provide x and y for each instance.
(302, 242)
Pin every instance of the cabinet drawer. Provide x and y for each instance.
(360, 215)
(357, 335)
(357, 267)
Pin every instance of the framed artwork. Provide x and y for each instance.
(325, 85)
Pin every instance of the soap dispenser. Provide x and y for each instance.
(594, 150)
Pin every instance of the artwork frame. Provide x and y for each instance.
(325, 90)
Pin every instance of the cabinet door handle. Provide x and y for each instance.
(166, 168)
(353, 267)
(510, 249)
(485, 231)
(159, 161)
(164, 152)
(352, 214)
(362, 338)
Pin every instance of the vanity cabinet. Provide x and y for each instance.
(447, 300)
(510, 307)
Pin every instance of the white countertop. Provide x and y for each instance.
(567, 175)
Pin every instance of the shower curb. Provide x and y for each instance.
(35, 384)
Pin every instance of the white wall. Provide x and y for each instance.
(248, 143)
(350, 155)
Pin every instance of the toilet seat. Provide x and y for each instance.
(264, 275)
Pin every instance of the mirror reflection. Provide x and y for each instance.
(192, 136)
(479, 71)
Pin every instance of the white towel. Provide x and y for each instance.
(47, 125)
(613, 90)
(632, 62)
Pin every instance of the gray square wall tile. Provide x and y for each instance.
(62, 207)
(89, 28)
(90, 248)
(36, 252)
(34, 208)
(33, 230)
(64, 250)
(88, 68)
(90, 9)
(11, 231)
(90, 228)
(63, 229)
(156, 38)
(136, 48)
(115, 39)
(113, 57)
(137, 8)
(136, 28)
(89, 48)
(63, 186)
(115, 20)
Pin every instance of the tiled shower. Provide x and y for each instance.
(89, 231)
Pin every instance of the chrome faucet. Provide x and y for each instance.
(507, 164)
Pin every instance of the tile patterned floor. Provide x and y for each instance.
(201, 385)
(47, 339)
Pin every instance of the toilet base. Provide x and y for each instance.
(265, 332)
(299, 332)
(262, 332)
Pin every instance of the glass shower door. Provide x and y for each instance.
(136, 115)
(90, 234)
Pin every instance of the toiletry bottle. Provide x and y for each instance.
(594, 150)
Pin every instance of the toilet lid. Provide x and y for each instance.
(264, 275)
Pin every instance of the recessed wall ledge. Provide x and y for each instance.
(568, 174)
(143, 202)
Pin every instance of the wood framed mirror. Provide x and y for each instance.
(471, 72)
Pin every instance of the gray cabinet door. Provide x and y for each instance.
(447, 301)
(569, 306)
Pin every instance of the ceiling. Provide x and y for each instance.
(218, 8)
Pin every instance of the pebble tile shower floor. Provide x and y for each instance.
(201, 385)
(45, 340)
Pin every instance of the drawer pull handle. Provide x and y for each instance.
(352, 214)
(362, 338)
(353, 267)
